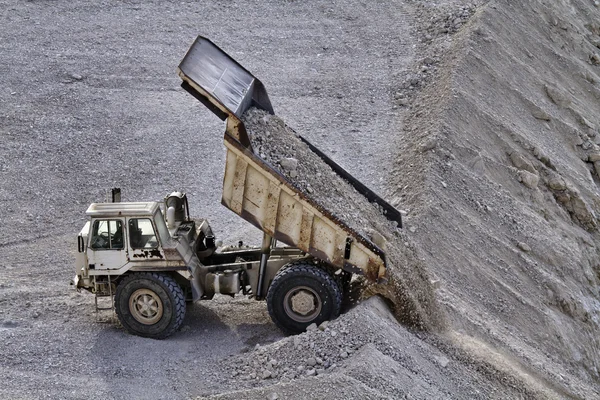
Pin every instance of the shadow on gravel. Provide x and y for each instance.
(261, 334)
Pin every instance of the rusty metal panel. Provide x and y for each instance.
(230, 163)
(239, 181)
(358, 255)
(171, 254)
(270, 220)
(339, 249)
(323, 239)
(256, 194)
(372, 269)
(306, 230)
(289, 218)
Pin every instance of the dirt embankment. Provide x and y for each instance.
(503, 148)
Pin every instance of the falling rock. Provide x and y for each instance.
(557, 96)
(477, 165)
(587, 145)
(563, 197)
(323, 325)
(522, 163)
(290, 164)
(443, 361)
(594, 157)
(378, 239)
(582, 212)
(583, 121)
(272, 396)
(556, 182)
(266, 374)
(528, 179)
(429, 144)
(540, 114)
(312, 327)
(524, 246)
(597, 167)
(590, 77)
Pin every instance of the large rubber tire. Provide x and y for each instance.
(302, 294)
(150, 304)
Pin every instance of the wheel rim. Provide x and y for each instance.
(145, 306)
(302, 304)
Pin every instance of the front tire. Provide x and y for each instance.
(150, 304)
(302, 294)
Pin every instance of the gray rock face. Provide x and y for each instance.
(520, 162)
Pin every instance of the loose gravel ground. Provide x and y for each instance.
(476, 118)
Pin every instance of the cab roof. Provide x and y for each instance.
(122, 209)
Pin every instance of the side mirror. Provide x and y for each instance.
(80, 244)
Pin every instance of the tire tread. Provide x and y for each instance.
(303, 268)
(171, 286)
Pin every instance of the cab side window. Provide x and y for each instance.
(107, 234)
(141, 234)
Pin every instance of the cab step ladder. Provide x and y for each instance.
(104, 289)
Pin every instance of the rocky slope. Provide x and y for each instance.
(498, 169)
(504, 145)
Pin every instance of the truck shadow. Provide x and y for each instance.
(212, 332)
(132, 365)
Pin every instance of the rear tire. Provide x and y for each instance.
(302, 294)
(150, 304)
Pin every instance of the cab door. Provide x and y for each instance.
(106, 246)
(143, 241)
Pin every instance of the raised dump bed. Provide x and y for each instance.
(257, 191)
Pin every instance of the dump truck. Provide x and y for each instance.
(151, 258)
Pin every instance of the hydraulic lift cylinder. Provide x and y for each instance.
(265, 251)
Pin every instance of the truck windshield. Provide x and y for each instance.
(161, 226)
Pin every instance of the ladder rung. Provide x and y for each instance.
(107, 284)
